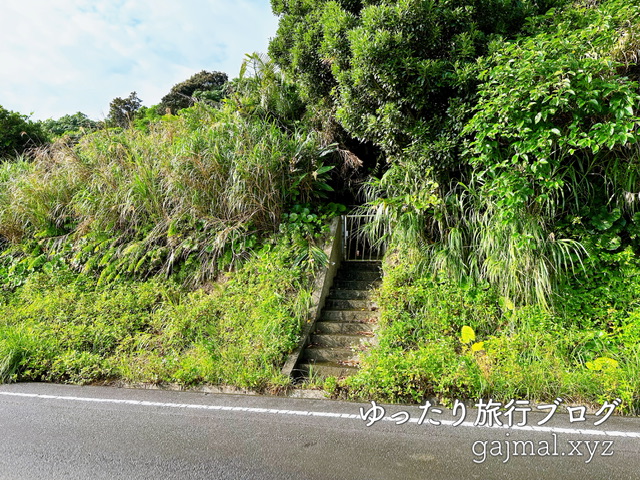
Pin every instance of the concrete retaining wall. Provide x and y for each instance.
(322, 285)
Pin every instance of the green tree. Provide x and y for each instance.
(18, 133)
(147, 116)
(122, 111)
(207, 86)
(399, 73)
(70, 124)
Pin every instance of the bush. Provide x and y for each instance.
(440, 339)
(18, 134)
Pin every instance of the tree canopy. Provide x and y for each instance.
(18, 133)
(70, 124)
(398, 73)
(122, 111)
(205, 85)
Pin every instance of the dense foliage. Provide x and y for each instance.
(206, 86)
(18, 134)
(509, 134)
(553, 149)
(59, 326)
(123, 111)
(398, 73)
(71, 125)
(501, 159)
(180, 252)
(438, 338)
(192, 195)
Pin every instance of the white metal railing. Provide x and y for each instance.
(356, 244)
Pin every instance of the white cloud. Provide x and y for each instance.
(63, 56)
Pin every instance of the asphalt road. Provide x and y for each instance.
(66, 432)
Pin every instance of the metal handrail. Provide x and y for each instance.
(356, 244)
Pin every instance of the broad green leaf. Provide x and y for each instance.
(467, 334)
(602, 363)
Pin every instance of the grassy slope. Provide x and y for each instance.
(62, 327)
(587, 351)
(111, 242)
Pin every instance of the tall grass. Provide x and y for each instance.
(463, 234)
(195, 188)
(521, 257)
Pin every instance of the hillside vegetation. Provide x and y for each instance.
(495, 143)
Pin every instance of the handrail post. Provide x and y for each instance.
(355, 246)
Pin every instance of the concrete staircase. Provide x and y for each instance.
(346, 325)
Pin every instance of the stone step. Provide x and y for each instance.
(345, 304)
(356, 284)
(338, 294)
(321, 370)
(338, 340)
(347, 323)
(357, 316)
(358, 275)
(373, 266)
(331, 354)
(350, 328)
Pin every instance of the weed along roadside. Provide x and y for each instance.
(152, 334)
(434, 339)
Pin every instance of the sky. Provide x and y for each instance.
(59, 57)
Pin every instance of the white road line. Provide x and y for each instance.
(271, 411)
